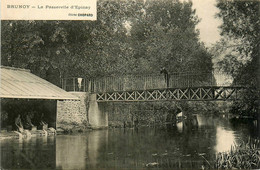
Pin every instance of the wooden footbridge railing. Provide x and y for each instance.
(177, 94)
(138, 82)
(180, 86)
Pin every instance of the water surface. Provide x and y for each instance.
(174, 147)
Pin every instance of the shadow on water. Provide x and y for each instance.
(191, 144)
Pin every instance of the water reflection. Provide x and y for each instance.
(224, 140)
(174, 147)
(71, 152)
(28, 153)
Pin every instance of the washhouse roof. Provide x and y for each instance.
(22, 84)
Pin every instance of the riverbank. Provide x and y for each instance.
(26, 133)
(185, 124)
(68, 129)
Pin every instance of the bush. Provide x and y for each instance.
(243, 156)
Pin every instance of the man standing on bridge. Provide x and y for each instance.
(166, 76)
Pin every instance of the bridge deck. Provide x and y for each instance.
(207, 93)
(180, 86)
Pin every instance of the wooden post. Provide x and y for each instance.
(74, 87)
(62, 85)
(212, 76)
(84, 85)
(188, 79)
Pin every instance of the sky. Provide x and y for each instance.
(208, 26)
(209, 31)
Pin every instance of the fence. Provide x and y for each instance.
(75, 84)
(138, 82)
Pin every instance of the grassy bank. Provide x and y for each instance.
(241, 156)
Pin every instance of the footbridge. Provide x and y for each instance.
(188, 94)
(99, 95)
(137, 88)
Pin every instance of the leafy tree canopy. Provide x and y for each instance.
(240, 43)
(129, 37)
(239, 50)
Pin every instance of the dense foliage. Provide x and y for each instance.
(128, 37)
(241, 156)
(239, 50)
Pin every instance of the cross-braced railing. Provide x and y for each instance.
(180, 86)
(188, 94)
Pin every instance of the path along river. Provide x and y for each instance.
(172, 147)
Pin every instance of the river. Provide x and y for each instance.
(164, 147)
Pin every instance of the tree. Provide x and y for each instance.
(241, 26)
(241, 23)
(39, 46)
(165, 36)
(128, 37)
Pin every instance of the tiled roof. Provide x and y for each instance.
(20, 83)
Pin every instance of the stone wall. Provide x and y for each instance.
(83, 113)
(73, 113)
(97, 113)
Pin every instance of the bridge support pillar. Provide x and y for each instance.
(97, 116)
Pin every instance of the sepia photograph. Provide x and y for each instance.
(130, 84)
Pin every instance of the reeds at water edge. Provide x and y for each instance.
(245, 155)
